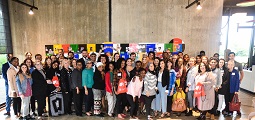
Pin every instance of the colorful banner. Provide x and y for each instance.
(176, 45)
(91, 47)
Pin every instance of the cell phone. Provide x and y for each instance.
(119, 74)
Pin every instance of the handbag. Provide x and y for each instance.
(235, 104)
(55, 81)
(179, 105)
(199, 90)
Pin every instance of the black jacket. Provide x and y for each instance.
(99, 82)
(65, 80)
(165, 78)
(224, 90)
(39, 86)
(77, 79)
(49, 75)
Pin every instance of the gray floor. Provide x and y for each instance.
(246, 108)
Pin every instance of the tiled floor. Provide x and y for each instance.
(244, 97)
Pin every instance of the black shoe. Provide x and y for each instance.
(189, 113)
(201, 117)
(217, 113)
(238, 113)
(8, 113)
(34, 114)
(21, 118)
(100, 115)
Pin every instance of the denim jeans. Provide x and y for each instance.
(8, 99)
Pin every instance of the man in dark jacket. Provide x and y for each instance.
(5, 67)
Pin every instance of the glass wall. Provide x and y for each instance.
(238, 37)
(5, 43)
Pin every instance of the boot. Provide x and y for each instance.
(212, 117)
(208, 115)
(189, 113)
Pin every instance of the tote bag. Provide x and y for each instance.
(199, 90)
(179, 105)
(235, 104)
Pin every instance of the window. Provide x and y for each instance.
(238, 38)
(5, 33)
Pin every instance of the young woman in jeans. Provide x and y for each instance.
(24, 84)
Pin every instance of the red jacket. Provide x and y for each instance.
(108, 84)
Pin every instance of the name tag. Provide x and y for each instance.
(233, 74)
(236, 68)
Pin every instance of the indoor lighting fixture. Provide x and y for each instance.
(199, 7)
(31, 11)
(246, 3)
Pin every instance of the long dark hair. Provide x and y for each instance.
(119, 61)
(207, 69)
(106, 57)
(158, 60)
(152, 53)
(164, 63)
(20, 70)
(224, 65)
(32, 63)
(107, 66)
(177, 63)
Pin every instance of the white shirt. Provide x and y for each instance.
(160, 76)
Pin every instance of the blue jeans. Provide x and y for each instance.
(8, 99)
(161, 98)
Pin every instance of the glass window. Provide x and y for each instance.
(5, 36)
(238, 38)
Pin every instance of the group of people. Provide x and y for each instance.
(149, 86)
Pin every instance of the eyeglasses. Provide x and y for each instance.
(89, 63)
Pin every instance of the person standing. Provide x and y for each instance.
(120, 87)
(149, 89)
(50, 73)
(207, 79)
(24, 85)
(77, 88)
(171, 87)
(216, 71)
(87, 83)
(84, 58)
(110, 95)
(162, 86)
(13, 90)
(190, 82)
(234, 85)
(238, 66)
(224, 88)
(31, 67)
(134, 92)
(5, 67)
(39, 88)
(98, 88)
(65, 78)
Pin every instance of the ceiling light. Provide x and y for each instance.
(246, 3)
(199, 7)
(31, 11)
